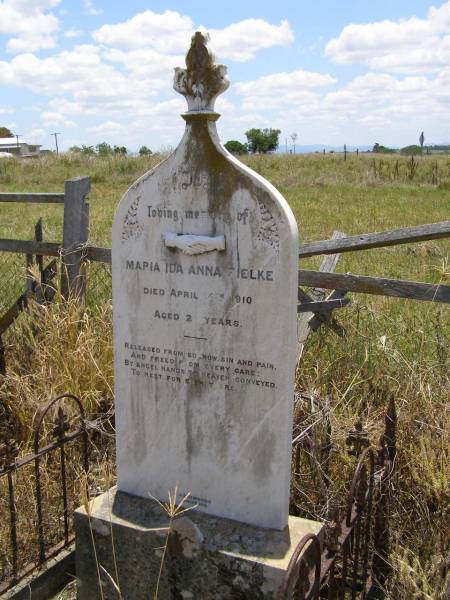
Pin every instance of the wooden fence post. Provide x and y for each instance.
(75, 236)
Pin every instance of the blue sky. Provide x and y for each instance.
(332, 71)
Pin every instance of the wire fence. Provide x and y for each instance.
(13, 278)
(98, 283)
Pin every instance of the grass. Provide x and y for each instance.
(392, 346)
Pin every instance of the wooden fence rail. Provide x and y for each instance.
(30, 247)
(366, 241)
(38, 198)
(396, 288)
(75, 248)
(75, 231)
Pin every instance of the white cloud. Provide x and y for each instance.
(30, 22)
(73, 33)
(90, 9)
(170, 32)
(375, 105)
(165, 32)
(408, 45)
(146, 63)
(37, 135)
(51, 118)
(281, 84)
(119, 88)
(381, 98)
(241, 41)
(119, 78)
(282, 90)
(79, 72)
(107, 128)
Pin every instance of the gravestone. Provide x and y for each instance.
(204, 265)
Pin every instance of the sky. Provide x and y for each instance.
(332, 71)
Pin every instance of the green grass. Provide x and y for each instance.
(392, 346)
(325, 193)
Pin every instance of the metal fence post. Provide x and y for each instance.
(381, 567)
(75, 236)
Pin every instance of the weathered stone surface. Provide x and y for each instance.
(205, 341)
(207, 558)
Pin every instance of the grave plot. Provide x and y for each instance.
(205, 294)
(205, 355)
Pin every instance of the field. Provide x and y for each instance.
(392, 346)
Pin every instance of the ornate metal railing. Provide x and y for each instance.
(39, 491)
(351, 561)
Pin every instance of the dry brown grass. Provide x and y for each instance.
(60, 347)
(392, 346)
(358, 375)
(53, 349)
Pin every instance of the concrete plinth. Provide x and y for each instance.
(207, 558)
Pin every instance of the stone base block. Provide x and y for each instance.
(203, 558)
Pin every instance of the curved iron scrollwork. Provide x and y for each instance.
(361, 488)
(56, 426)
(62, 434)
(338, 566)
(42, 413)
(296, 584)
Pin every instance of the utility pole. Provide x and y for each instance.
(421, 140)
(285, 141)
(56, 142)
(18, 135)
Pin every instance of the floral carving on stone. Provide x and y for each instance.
(203, 80)
(131, 227)
(268, 231)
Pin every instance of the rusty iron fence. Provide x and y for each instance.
(351, 559)
(39, 492)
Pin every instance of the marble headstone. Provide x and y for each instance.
(204, 259)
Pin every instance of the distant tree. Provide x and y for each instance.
(73, 149)
(262, 140)
(412, 150)
(379, 149)
(236, 147)
(103, 149)
(87, 149)
(442, 149)
(144, 151)
(120, 150)
(5, 132)
(294, 139)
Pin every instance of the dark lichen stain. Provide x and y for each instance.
(139, 441)
(262, 450)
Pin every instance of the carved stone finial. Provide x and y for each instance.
(202, 80)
